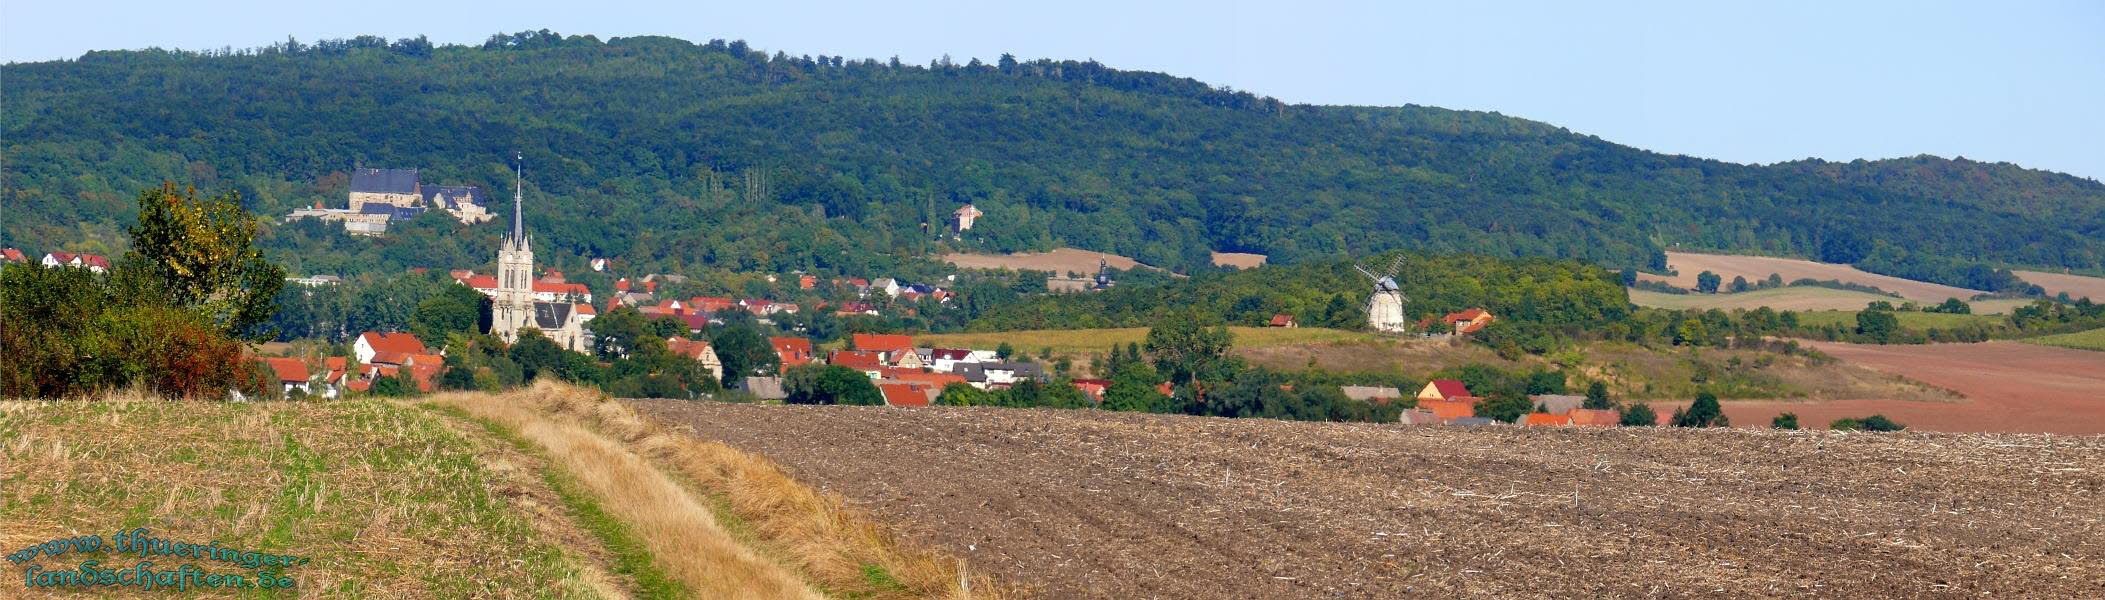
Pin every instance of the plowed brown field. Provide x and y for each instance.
(2078, 286)
(2009, 387)
(1118, 505)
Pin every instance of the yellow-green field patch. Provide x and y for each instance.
(1908, 319)
(2082, 340)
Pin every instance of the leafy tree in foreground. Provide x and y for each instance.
(202, 255)
(830, 384)
(745, 353)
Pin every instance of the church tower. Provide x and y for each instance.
(513, 307)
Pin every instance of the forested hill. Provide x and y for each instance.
(674, 155)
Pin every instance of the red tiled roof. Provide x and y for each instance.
(480, 282)
(425, 359)
(1450, 388)
(1464, 315)
(289, 370)
(792, 351)
(13, 255)
(1474, 327)
(94, 260)
(1093, 387)
(883, 342)
(390, 358)
(561, 288)
(711, 303)
(1547, 419)
(856, 359)
(950, 353)
(691, 349)
(1595, 417)
(904, 394)
(426, 377)
(807, 282)
(1448, 409)
(335, 363)
(934, 380)
(1282, 320)
(622, 285)
(393, 342)
(585, 309)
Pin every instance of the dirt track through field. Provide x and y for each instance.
(1119, 505)
(2009, 387)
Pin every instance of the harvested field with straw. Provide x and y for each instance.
(1059, 260)
(1116, 505)
(384, 500)
(2077, 286)
(1727, 266)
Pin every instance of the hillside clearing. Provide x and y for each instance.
(1239, 260)
(1115, 505)
(2078, 286)
(1099, 341)
(385, 500)
(1727, 266)
(1060, 261)
(2082, 340)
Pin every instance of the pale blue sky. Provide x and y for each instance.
(1750, 82)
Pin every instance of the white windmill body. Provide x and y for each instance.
(1385, 307)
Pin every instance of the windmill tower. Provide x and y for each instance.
(1385, 307)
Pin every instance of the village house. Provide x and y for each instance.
(1442, 389)
(370, 344)
(13, 255)
(315, 281)
(381, 196)
(91, 262)
(908, 394)
(993, 376)
(870, 363)
(1545, 419)
(792, 351)
(896, 350)
(947, 359)
(1418, 416)
(1467, 321)
(1448, 410)
(963, 218)
(698, 351)
(292, 375)
(1282, 320)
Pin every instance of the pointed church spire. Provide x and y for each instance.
(519, 200)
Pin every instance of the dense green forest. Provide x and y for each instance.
(683, 157)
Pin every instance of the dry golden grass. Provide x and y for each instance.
(841, 549)
(677, 528)
(386, 501)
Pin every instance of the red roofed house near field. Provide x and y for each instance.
(371, 343)
(292, 374)
(13, 255)
(1281, 320)
(898, 350)
(907, 394)
(1468, 321)
(792, 350)
(1442, 389)
(860, 360)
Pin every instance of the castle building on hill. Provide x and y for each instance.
(513, 307)
(382, 196)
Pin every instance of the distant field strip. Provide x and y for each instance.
(2078, 286)
(2081, 340)
(1689, 265)
(1085, 341)
(1058, 260)
(1783, 298)
(1908, 319)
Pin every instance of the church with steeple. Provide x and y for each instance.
(513, 307)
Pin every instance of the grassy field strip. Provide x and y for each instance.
(674, 526)
(845, 552)
(387, 502)
(2082, 340)
(1084, 341)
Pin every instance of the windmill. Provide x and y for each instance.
(1385, 307)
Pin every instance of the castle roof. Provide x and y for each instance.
(384, 181)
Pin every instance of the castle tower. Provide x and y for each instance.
(513, 307)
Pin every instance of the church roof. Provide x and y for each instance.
(550, 316)
(384, 181)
